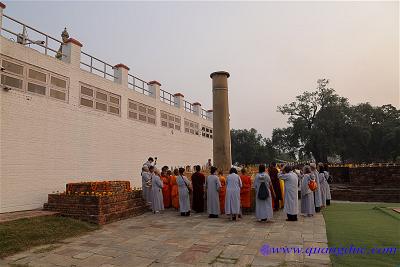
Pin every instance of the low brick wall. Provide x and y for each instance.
(366, 184)
(366, 175)
(95, 207)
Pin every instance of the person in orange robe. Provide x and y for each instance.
(222, 191)
(245, 191)
(166, 189)
(174, 190)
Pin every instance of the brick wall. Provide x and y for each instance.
(380, 176)
(376, 184)
(47, 143)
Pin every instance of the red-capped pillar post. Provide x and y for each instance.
(2, 7)
(71, 51)
(121, 74)
(179, 101)
(196, 108)
(154, 88)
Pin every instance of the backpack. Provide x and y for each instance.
(263, 193)
(312, 184)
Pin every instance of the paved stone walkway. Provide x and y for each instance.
(170, 240)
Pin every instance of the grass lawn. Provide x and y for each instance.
(363, 225)
(22, 234)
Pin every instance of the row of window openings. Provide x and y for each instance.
(37, 81)
(93, 98)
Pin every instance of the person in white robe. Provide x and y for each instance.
(328, 188)
(232, 196)
(291, 192)
(146, 184)
(213, 186)
(317, 193)
(183, 189)
(323, 182)
(307, 196)
(264, 210)
(157, 203)
(150, 162)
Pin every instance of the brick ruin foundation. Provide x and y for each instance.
(98, 202)
(370, 184)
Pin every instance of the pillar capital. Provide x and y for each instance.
(221, 72)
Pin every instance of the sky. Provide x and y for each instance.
(273, 50)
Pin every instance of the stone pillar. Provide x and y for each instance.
(196, 108)
(72, 52)
(154, 88)
(121, 74)
(221, 130)
(2, 7)
(178, 99)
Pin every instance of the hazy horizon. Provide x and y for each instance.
(273, 50)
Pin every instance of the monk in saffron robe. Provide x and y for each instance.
(198, 180)
(174, 190)
(245, 190)
(222, 191)
(166, 189)
(273, 174)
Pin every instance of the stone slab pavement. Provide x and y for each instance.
(168, 239)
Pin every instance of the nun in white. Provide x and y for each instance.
(157, 203)
(146, 184)
(317, 193)
(323, 182)
(183, 189)
(264, 209)
(291, 192)
(307, 196)
(213, 186)
(232, 197)
(328, 188)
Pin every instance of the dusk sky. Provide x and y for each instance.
(273, 50)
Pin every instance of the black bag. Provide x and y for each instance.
(263, 193)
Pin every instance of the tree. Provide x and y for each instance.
(250, 147)
(309, 110)
(323, 124)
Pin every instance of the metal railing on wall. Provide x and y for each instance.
(138, 85)
(167, 97)
(26, 35)
(188, 106)
(204, 114)
(97, 66)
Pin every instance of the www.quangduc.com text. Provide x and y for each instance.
(338, 251)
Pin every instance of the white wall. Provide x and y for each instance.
(47, 143)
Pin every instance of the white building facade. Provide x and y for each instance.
(81, 119)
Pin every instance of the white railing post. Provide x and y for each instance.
(121, 74)
(71, 50)
(2, 7)
(154, 88)
(196, 108)
(179, 101)
(210, 114)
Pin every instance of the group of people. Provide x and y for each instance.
(232, 195)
